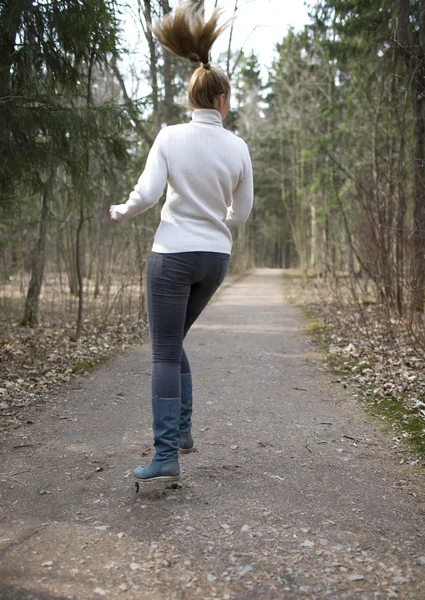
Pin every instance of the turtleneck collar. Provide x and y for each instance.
(207, 115)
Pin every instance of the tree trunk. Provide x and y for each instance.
(133, 112)
(412, 44)
(400, 241)
(141, 262)
(153, 59)
(168, 76)
(253, 238)
(397, 184)
(326, 267)
(69, 259)
(30, 317)
(99, 262)
(419, 207)
(83, 196)
(400, 227)
(229, 47)
(79, 272)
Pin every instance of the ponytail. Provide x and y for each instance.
(184, 33)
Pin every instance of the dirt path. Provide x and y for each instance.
(293, 492)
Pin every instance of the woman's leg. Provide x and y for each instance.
(215, 267)
(168, 290)
(186, 440)
(200, 294)
(179, 287)
(184, 363)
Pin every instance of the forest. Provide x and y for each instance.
(336, 133)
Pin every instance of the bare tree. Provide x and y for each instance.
(135, 115)
(31, 304)
(168, 75)
(146, 12)
(412, 44)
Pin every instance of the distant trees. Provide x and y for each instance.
(51, 129)
(340, 188)
(336, 133)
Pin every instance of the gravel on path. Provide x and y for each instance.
(293, 492)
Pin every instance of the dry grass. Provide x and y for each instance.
(36, 361)
(368, 346)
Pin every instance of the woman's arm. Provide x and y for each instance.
(243, 196)
(150, 187)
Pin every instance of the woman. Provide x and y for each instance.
(209, 175)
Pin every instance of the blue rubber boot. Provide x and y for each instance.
(164, 465)
(186, 440)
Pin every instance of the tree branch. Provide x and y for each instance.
(130, 106)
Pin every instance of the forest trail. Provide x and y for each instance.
(293, 491)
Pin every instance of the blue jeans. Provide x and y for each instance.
(179, 286)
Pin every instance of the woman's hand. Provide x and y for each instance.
(110, 214)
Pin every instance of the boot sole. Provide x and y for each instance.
(186, 450)
(142, 481)
(161, 478)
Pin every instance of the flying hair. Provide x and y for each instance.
(185, 33)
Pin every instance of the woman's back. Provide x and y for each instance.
(206, 165)
(210, 185)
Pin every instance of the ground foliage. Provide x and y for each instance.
(36, 362)
(375, 355)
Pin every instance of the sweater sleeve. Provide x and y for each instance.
(243, 196)
(150, 187)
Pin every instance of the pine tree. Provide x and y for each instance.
(49, 52)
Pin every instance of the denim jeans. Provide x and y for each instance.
(179, 286)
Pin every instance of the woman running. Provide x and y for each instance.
(210, 187)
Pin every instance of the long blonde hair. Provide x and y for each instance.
(185, 33)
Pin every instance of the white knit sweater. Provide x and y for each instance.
(210, 185)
